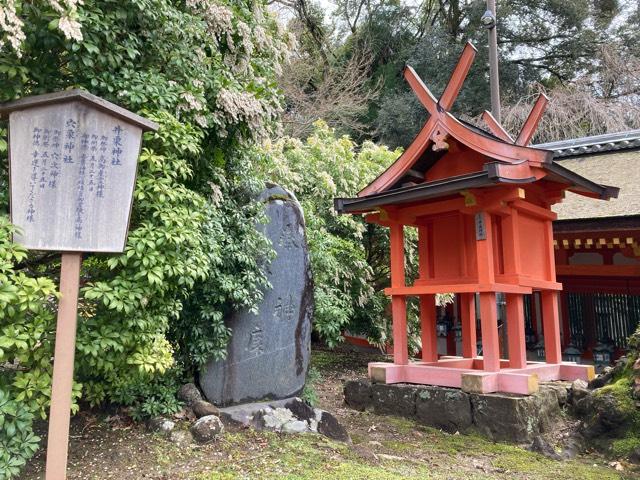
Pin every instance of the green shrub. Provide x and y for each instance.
(347, 255)
(17, 441)
(26, 322)
(205, 71)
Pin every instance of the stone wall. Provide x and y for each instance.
(500, 417)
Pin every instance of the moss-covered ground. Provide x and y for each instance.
(624, 440)
(383, 448)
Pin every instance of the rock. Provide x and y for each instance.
(288, 415)
(617, 466)
(445, 408)
(207, 428)
(274, 418)
(561, 389)
(329, 426)
(295, 426)
(583, 404)
(394, 399)
(540, 445)
(202, 408)
(189, 393)
(579, 384)
(301, 410)
(185, 414)
(357, 394)
(160, 424)
(268, 354)
(602, 379)
(501, 417)
(511, 418)
(579, 390)
(246, 415)
(634, 457)
(572, 446)
(181, 438)
(604, 415)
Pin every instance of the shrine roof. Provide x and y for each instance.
(450, 155)
(81, 96)
(619, 167)
(606, 143)
(493, 175)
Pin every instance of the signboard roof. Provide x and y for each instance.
(82, 96)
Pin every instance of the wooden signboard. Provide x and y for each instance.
(72, 171)
(72, 161)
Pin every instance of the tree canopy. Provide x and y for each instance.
(545, 44)
(206, 72)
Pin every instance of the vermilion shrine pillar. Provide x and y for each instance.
(468, 321)
(515, 331)
(551, 326)
(428, 328)
(398, 302)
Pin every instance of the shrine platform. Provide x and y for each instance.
(468, 374)
(497, 416)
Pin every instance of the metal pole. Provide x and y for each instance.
(493, 63)
(62, 383)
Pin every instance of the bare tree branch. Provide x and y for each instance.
(340, 96)
(605, 101)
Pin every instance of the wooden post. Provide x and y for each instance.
(399, 331)
(511, 243)
(490, 340)
(551, 325)
(535, 314)
(62, 382)
(564, 316)
(515, 331)
(488, 306)
(484, 248)
(468, 320)
(423, 252)
(398, 303)
(428, 328)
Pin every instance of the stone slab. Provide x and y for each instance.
(448, 409)
(268, 354)
(394, 399)
(289, 415)
(513, 418)
(242, 415)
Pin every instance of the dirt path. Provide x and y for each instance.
(104, 447)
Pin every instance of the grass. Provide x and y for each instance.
(309, 457)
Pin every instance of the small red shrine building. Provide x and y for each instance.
(481, 203)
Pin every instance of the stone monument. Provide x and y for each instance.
(268, 354)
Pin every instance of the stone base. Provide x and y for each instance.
(290, 415)
(500, 417)
(468, 374)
